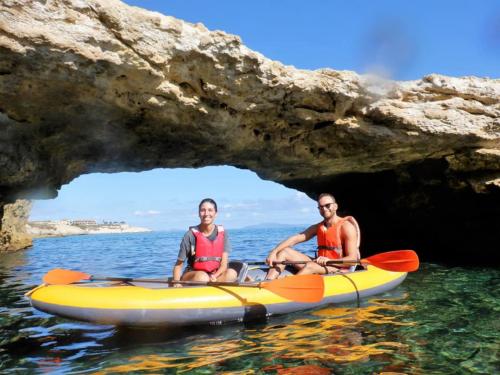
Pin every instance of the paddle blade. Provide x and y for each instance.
(298, 288)
(60, 276)
(398, 261)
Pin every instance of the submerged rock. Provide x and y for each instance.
(99, 86)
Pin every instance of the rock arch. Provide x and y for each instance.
(98, 86)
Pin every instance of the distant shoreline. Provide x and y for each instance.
(64, 228)
(274, 226)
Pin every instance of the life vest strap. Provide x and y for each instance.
(207, 259)
(322, 247)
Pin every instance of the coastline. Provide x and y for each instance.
(64, 229)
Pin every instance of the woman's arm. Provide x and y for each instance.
(177, 272)
(184, 250)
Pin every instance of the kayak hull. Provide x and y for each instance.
(141, 304)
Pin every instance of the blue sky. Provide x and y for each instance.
(403, 40)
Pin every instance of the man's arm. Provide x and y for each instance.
(349, 238)
(291, 241)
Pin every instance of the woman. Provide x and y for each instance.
(206, 247)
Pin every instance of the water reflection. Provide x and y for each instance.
(315, 344)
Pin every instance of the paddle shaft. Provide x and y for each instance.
(170, 281)
(298, 288)
(218, 283)
(396, 261)
(128, 279)
(347, 262)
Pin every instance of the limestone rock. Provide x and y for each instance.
(13, 234)
(99, 86)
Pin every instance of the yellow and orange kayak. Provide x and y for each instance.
(153, 304)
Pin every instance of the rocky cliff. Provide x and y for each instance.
(98, 86)
(13, 235)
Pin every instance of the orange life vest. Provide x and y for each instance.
(329, 241)
(208, 254)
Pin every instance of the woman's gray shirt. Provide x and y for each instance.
(189, 242)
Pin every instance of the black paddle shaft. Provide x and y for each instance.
(170, 281)
(291, 263)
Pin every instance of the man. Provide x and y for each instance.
(338, 239)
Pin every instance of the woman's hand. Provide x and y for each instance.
(176, 285)
(322, 260)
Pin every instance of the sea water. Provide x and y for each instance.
(439, 321)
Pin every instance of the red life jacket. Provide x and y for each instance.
(208, 254)
(329, 241)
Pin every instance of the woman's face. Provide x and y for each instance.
(207, 213)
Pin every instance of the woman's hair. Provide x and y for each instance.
(208, 200)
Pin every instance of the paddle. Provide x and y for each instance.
(298, 288)
(397, 261)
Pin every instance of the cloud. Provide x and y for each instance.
(300, 196)
(241, 206)
(293, 208)
(147, 213)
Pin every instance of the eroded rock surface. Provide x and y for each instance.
(98, 86)
(12, 230)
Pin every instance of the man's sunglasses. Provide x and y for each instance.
(327, 206)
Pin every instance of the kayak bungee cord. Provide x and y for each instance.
(355, 287)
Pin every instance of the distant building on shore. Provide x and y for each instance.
(49, 228)
(78, 222)
(84, 223)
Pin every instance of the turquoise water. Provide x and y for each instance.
(439, 321)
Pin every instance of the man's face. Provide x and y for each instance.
(327, 207)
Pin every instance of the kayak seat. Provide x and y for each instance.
(241, 269)
(259, 273)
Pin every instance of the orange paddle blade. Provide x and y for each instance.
(398, 261)
(299, 288)
(60, 276)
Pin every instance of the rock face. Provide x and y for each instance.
(12, 231)
(98, 86)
